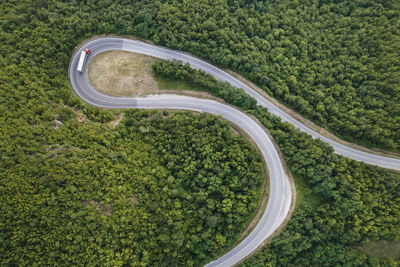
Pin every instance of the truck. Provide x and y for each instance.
(85, 52)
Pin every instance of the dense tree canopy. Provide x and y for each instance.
(347, 202)
(334, 61)
(172, 189)
(201, 80)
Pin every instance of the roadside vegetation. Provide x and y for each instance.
(335, 62)
(342, 202)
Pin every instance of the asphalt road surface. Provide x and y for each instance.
(280, 193)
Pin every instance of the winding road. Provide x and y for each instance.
(280, 193)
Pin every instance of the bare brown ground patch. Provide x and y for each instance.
(117, 120)
(106, 210)
(133, 199)
(122, 73)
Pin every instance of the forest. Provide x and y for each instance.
(161, 189)
(346, 202)
(335, 62)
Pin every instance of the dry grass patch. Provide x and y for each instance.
(122, 73)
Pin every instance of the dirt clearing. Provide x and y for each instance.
(122, 73)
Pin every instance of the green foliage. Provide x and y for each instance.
(336, 62)
(210, 193)
(201, 80)
(171, 189)
(382, 248)
(69, 200)
(349, 202)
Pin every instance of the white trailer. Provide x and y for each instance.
(82, 59)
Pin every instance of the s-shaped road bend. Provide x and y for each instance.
(280, 194)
